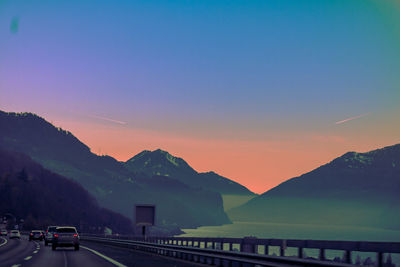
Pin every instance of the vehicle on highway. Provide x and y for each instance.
(14, 234)
(36, 235)
(65, 236)
(3, 232)
(48, 237)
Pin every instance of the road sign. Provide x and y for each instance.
(145, 214)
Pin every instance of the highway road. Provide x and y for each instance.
(22, 253)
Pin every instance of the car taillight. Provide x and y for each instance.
(75, 235)
(55, 235)
(31, 233)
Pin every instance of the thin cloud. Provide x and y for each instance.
(352, 118)
(108, 119)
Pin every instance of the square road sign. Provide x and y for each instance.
(145, 214)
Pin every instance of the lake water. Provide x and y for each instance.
(295, 231)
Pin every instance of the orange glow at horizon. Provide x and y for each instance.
(258, 165)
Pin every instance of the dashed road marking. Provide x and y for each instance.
(65, 259)
(35, 252)
(28, 258)
(5, 242)
(16, 265)
(116, 263)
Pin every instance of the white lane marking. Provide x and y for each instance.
(16, 265)
(28, 258)
(5, 242)
(116, 263)
(35, 252)
(65, 259)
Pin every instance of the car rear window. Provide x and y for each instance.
(52, 229)
(14, 231)
(36, 232)
(66, 230)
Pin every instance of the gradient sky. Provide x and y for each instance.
(258, 91)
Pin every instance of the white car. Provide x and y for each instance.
(3, 232)
(14, 234)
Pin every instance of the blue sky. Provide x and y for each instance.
(240, 70)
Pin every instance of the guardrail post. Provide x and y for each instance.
(348, 256)
(300, 254)
(379, 259)
(322, 254)
(230, 246)
(212, 261)
(282, 248)
(266, 249)
(248, 244)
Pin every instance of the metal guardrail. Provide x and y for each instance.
(212, 256)
(253, 245)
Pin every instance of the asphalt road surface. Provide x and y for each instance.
(24, 253)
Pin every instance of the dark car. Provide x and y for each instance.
(65, 236)
(48, 237)
(36, 235)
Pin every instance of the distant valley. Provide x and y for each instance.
(354, 190)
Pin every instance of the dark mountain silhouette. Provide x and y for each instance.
(114, 186)
(41, 198)
(159, 162)
(355, 189)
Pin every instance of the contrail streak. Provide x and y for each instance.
(107, 119)
(352, 118)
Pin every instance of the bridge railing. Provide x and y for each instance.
(261, 246)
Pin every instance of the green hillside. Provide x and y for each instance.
(114, 186)
(358, 189)
(41, 198)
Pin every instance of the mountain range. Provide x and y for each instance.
(361, 189)
(184, 198)
(162, 163)
(358, 189)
